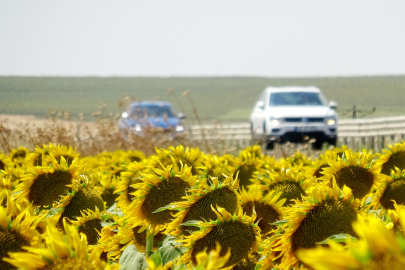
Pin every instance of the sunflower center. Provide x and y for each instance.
(245, 173)
(2, 166)
(89, 229)
(389, 261)
(47, 187)
(290, 191)
(358, 179)
(396, 160)
(201, 210)
(19, 154)
(10, 242)
(163, 194)
(140, 238)
(237, 236)
(109, 197)
(84, 199)
(394, 191)
(264, 212)
(134, 159)
(71, 264)
(318, 173)
(324, 220)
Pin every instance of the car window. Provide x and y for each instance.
(296, 99)
(152, 111)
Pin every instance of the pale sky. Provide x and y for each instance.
(202, 38)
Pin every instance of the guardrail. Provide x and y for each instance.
(374, 133)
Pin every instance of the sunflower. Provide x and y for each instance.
(107, 187)
(36, 158)
(254, 150)
(392, 157)
(389, 190)
(197, 204)
(290, 182)
(378, 248)
(325, 212)
(82, 197)
(133, 156)
(268, 208)
(190, 157)
(214, 166)
(18, 155)
(61, 252)
(16, 232)
(129, 178)
(89, 223)
(63, 151)
(237, 232)
(44, 185)
(165, 186)
(128, 235)
(298, 159)
(357, 171)
(5, 162)
(318, 165)
(247, 165)
(212, 260)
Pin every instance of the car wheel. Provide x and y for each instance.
(332, 141)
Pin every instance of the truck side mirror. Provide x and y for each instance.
(333, 105)
(260, 104)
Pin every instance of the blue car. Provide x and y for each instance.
(144, 115)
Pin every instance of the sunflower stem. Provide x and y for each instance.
(149, 240)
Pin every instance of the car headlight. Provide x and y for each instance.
(274, 121)
(136, 128)
(331, 121)
(179, 128)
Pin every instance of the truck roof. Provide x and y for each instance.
(273, 89)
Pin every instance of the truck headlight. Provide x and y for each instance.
(331, 122)
(274, 121)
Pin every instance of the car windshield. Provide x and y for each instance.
(152, 111)
(296, 99)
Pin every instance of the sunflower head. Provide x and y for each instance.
(248, 165)
(324, 212)
(44, 185)
(390, 190)
(163, 187)
(268, 208)
(197, 204)
(355, 170)
(229, 231)
(5, 162)
(214, 166)
(83, 196)
(19, 155)
(68, 153)
(290, 182)
(62, 252)
(392, 157)
(17, 230)
(179, 155)
(89, 223)
(107, 186)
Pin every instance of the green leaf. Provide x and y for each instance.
(132, 259)
(340, 238)
(156, 258)
(169, 251)
(164, 208)
(195, 223)
(280, 222)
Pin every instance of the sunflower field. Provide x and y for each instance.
(181, 208)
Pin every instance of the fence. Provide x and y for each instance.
(373, 133)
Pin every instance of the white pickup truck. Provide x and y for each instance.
(294, 114)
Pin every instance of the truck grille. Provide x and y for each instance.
(304, 119)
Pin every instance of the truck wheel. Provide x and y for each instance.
(317, 145)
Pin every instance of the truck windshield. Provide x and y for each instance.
(296, 99)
